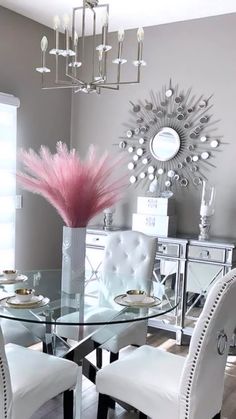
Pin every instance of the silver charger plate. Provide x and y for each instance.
(147, 302)
(19, 278)
(5, 302)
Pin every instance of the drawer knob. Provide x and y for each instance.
(205, 254)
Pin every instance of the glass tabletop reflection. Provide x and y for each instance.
(100, 301)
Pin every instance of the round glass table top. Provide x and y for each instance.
(100, 301)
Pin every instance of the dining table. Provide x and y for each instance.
(93, 311)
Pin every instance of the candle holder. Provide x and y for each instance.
(206, 210)
(108, 218)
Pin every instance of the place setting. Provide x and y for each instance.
(137, 298)
(24, 298)
(11, 276)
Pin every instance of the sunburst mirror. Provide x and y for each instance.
(170, 139)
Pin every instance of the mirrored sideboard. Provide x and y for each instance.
(185, 270)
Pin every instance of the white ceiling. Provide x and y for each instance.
(126, 13)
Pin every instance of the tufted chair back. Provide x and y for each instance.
(202, 380)
(128, 261)
(5, 383)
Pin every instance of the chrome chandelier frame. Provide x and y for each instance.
(71, 54)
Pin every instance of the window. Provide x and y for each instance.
(8, 119)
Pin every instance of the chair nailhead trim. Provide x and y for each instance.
(3, 376)
(194, 363)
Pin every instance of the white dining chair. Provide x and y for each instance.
(163, 385)
(129, 258)
(131, 255)
(29, 378)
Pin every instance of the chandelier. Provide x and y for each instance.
(74, 57)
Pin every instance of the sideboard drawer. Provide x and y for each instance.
(213, 254)
(167, 249)
(97, 240)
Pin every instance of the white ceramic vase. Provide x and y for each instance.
(73, 259)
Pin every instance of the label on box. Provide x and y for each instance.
(155, 206)
(156, 225)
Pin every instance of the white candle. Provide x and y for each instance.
(109, 210)
(206, 210)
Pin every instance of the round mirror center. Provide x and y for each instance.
(165, 144)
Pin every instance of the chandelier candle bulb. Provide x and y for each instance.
(105, 30)
(44, 46)
(140, 37)
(66, 21)
(121, 36)
(56, 21)
(76, 46)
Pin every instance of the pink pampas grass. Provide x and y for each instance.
(78, 190)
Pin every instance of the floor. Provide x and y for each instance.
(53, 409)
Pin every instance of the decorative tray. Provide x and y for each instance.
(123, 300)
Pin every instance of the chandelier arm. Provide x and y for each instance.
(64, 82)
(109, 87)
(122, 82)
(71, 86)
(75, 79)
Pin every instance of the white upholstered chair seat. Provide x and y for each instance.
(36, 378)
(144, 379)
(111, 336)
(117, 336)
(22, 334)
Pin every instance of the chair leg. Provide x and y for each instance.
(68, 404)
(114, 357)
(218, 416)
(103, 404)
(99, 357)
(142, 415)
(44, 347)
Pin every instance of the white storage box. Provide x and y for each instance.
(155, 206)
(154, 225)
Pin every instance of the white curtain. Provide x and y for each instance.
(8, 128)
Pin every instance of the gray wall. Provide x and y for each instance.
(200, 54)
(43, 118)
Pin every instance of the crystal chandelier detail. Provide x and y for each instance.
(74, 56)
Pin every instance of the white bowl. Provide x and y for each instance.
(24, 294)
(135, 296)
(10, 273)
